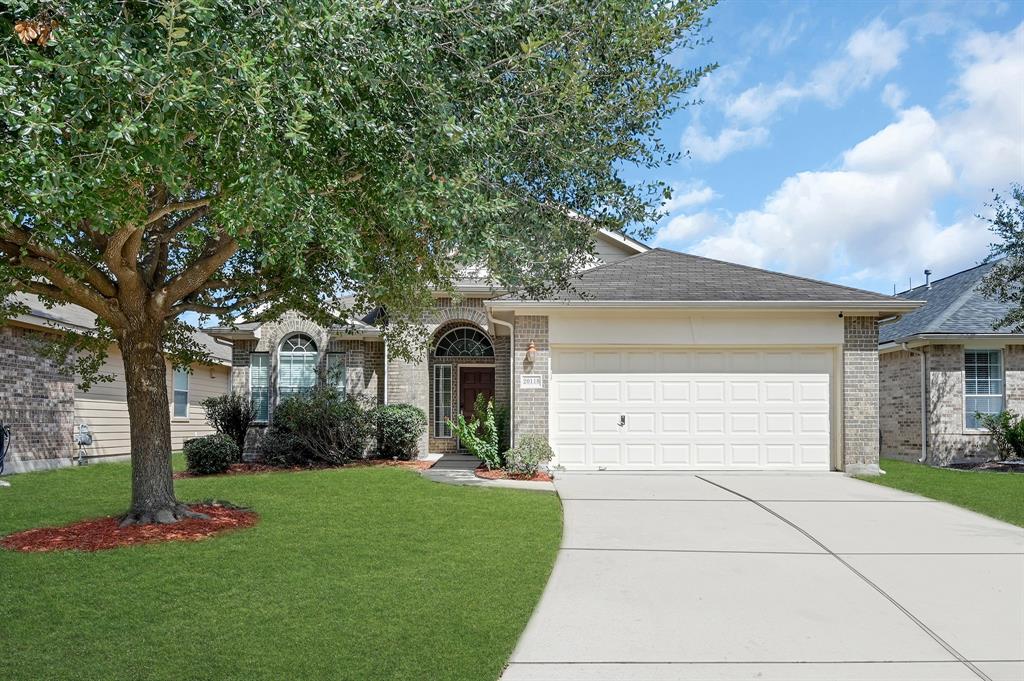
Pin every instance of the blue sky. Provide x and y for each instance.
(850, 141)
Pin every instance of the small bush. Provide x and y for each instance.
(1006, 430)
(528, 455)
(330, 427)
(502, 425)
(479, 436)
(281, 448)
(399, 427)
(210, 454)
(230, 415)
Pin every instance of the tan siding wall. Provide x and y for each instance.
(105, 408)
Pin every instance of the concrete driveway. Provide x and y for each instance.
(775, 576)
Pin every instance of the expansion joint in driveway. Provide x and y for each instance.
(924, 627)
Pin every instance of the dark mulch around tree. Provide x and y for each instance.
(100, 534)
(994, 466)
(540, 476)
(249, 468)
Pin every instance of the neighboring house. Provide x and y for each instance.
(949, 352)
(653, 360)
(45, 408)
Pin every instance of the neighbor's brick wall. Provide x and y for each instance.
(860, 391)
(36, 400)
(899, 404)
(531, 412)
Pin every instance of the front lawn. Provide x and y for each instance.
(1000, 495)
(361, 573)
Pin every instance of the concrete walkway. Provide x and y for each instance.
(773, 576)
(457, 469)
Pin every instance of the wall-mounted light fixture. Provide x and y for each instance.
(531, 352)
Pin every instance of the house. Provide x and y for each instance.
(948, 352)
(652, 360)
(44, 407)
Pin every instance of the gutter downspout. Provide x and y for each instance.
(924, 408)
(511, 376)
(385, 370)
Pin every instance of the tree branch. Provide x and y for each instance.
(175, 208)
(193, 277)
(93, 275)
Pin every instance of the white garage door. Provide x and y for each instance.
(691, 409)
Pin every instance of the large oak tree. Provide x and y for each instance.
(229, 157)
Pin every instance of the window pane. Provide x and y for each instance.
(297, 365)
(442, 400)
(180, 379)
(259, 384)
(180, 404)
(336, 370)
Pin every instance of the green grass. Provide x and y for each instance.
(362, 573)
(1000, 495)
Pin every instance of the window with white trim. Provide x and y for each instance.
(337, 372)
(983, 385)
(464, 342)
(180, 394)
(296, 366)
(442, 400)
(259, 384)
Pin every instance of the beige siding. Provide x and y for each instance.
(609, 251)
(105, 410)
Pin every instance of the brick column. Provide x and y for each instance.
(531, 404)
(860, 395)
(409, 383)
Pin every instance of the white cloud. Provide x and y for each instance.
(893, 96)
(874, 215)
(683, 227)
(869, 54)
(704, 147)
(688, 196)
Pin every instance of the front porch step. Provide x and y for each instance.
(465, 462)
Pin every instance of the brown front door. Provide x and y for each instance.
(474, 381)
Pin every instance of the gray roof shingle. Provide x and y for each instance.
(661, 275)
(953, 305)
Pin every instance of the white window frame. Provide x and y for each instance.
(174, 394)
(315, 353)
(439, 419)
(334, 378)
(1001, 394)
(265, 388)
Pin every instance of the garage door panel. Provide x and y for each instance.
(744, 409)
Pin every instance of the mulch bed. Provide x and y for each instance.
(250, 468)
(995, 466)
(103, 533)
(541, 476)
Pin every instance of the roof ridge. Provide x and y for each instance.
(780, 274)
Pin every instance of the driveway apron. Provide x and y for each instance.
(773, 576)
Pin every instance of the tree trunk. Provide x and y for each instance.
(149, 419)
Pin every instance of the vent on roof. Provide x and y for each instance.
(928, 279)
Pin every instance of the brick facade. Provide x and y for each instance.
(948, 439)
(38, 402)
(531, 406)
(860, 394)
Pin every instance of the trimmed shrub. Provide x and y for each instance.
(281, 448)
(210, 454)
(1006, 431)
(399, 427)
(528, 455)
(230, 415)
(479, 436)
(330, 427)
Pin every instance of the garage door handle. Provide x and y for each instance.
(622, 419)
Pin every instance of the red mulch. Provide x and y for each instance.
(541, 476)
(250, 468)
(103, 533)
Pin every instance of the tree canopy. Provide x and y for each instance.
(1005, 281)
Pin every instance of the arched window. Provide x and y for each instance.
(296, 365)
(464, 342)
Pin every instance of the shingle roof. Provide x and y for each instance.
(661, 275)
(953, 306)
(77, 316)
